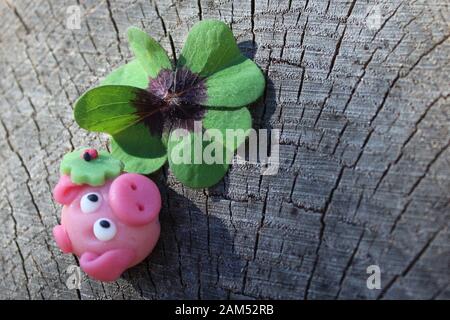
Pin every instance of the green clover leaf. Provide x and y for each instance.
(148, 52)
(196, 173)
(142, 102)
(232, 79)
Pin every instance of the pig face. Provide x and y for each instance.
(110, 228)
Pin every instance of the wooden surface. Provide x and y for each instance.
(363, 109)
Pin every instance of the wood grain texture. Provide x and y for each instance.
(364, 180)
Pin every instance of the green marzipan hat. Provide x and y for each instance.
(92, 170)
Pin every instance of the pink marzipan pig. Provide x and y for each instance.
(110, 227)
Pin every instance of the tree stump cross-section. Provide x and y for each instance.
(359, 90)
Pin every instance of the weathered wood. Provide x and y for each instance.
(365, 159)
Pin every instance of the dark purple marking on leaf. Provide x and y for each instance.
(172, 101)
(148, 108)
(179, 87)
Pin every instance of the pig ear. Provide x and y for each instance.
(135, 199)
(65, 191)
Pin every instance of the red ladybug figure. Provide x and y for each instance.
(89, 154)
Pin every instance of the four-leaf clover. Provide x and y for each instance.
(141, 103)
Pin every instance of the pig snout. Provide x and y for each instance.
(135, 199)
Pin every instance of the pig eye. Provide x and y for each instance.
(90, 202)
(104, 229)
